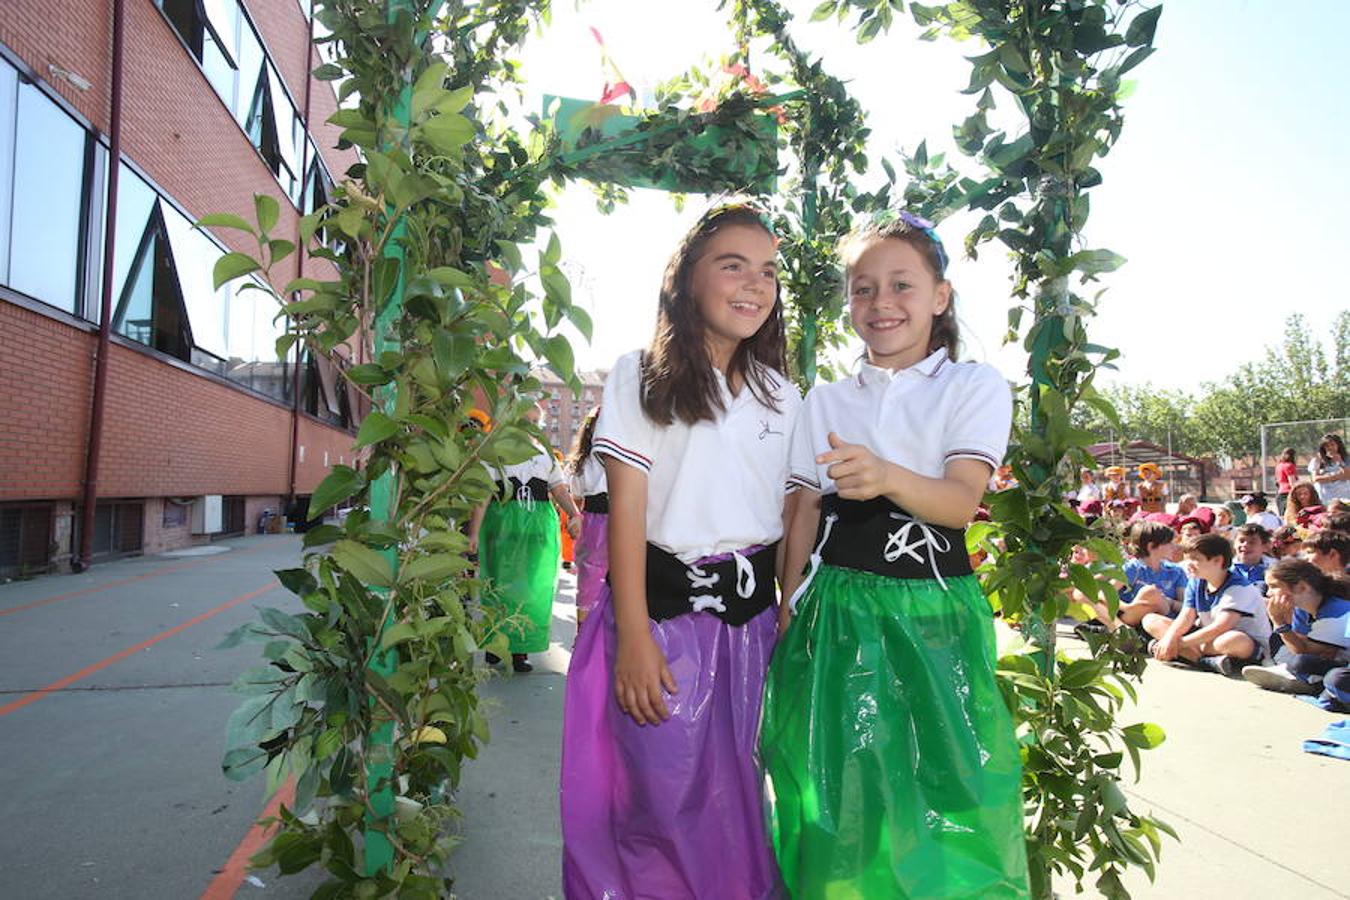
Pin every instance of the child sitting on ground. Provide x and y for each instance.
(1153, 585)
(1233, 628)
(1252, 545)
(1285, 541)
(1312, 625)
(1254, 505)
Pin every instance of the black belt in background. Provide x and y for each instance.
(595, 503)
(675, 589)
(536, 488)
(878, 536)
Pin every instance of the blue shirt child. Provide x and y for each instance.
(1168, 579)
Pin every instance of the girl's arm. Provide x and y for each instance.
(798, 537)
(951, 500)
(789, 510)
(640, 670)
(476, 524)
(563, 497)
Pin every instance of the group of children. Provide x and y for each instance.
(1240, 604)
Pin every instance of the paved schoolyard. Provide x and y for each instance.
(113, 702)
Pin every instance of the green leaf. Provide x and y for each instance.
(242, 763)
(231, 266)
(823, 11)
(369, 566)
(225, 220)
(329, 72)
(375, 427)
(297, 581)
(434, 567)
(1094, 262)
(397, 634)
(448, 132)
(267, 208)
(581, 320)
(1144, 26)
(558, 352)
(340, 484)
(369, 374)
(1144, 735)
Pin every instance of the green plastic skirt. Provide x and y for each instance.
(889, 756)
(518, 550)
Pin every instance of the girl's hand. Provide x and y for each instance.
(473, 543)
(640, 672)
(1167, 648)
(858, 473)
(1281, 609)
(784, 617)
(574, 526)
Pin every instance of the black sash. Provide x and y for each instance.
(595, 503)
(535, 489)
(878, 536)
(675, 589)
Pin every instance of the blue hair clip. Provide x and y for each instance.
(919, 223)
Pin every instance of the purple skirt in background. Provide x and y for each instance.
(669, 811)
(592, 560)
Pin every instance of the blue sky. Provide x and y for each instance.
(1227, 191)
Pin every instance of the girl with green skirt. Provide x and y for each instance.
(517, 539)
(890, 761)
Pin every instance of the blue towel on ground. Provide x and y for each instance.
(1334, 742)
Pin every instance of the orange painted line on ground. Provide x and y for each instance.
(92, 589)
(102, 664)
(231, 876)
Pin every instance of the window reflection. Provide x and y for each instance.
(49, 189)
(9, 99)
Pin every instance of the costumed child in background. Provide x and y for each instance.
(567, 546)
(516, 537)
(587, 474)
(889, 754)
(661, 796)
(1116, 492)
(1152, 490)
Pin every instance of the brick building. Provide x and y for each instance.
(203, 427)
(565, 412)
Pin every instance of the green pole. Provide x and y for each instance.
(379, 851)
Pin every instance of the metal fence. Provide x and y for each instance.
(1303, 436)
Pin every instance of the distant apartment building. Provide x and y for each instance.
(564, 412)
(203, 426)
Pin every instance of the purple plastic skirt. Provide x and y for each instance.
(592, 560)
(669, 811)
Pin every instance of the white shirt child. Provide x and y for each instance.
(591, 479)
(731, 471)
(920, 418)
(542, 466)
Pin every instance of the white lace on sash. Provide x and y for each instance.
(815, 562)
(899, 543)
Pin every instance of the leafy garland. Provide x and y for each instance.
(463, 197)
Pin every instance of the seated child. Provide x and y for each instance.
(1153, 584)
(1254, 505)
(1312, 628)
(1329, 551)
(1233, 629)
(1285, 541)
(1252, 545)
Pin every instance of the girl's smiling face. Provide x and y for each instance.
(734, 284)
(893, 299)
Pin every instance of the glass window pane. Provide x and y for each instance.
(250, 62)
(194, 256)
(286, 124)
(9, 86)
(135, 200)
(49, 182)
(224, 17)
(134, 314)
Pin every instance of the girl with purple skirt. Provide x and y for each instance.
(661, 794)
(588, 483)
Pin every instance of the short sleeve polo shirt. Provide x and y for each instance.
(591, 479)
(920, 418)
(1329, 625)
(542, 466)
(714, 486)
(1234, 596)
(1170, 579)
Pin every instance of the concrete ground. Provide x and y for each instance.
(113, 702)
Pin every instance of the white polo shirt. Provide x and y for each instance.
(920, 418)
(712, 487)
(541, 465)
(591, 478)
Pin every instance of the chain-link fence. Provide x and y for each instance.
(1304, 437)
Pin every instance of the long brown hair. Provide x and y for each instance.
(946, 333)
(677, 373)
(581, 444)
(1292, 505)
(1292, 571)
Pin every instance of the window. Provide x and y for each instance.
(50, 183)
(323, 392)
(118, 528)
(150, 307)
(272, 126)
(210, 31)
(25, 539)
